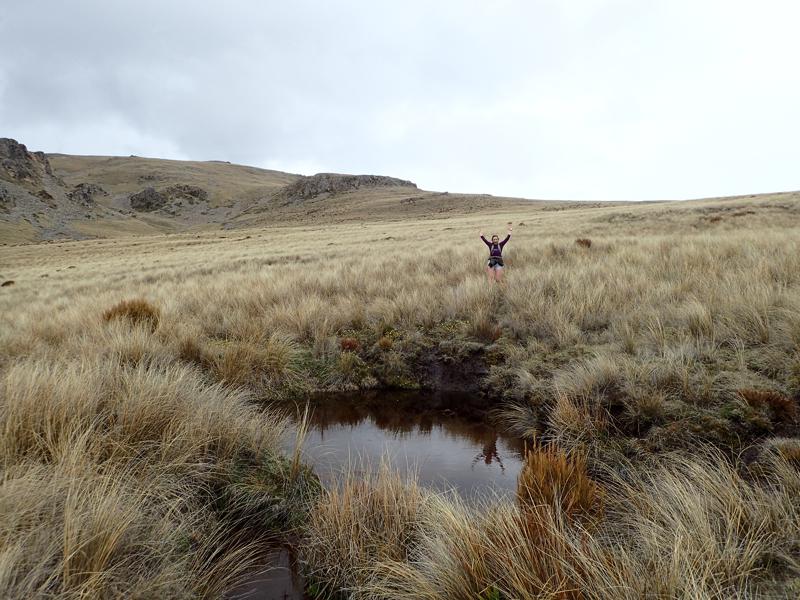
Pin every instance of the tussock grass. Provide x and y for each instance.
(666, 333)
(369, 518)
(787, 448)
(258, 364)
(682, 527)
(553, 480)
(121, 479)
(138, 311)
(782, 408)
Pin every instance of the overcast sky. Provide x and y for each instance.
(584, 99)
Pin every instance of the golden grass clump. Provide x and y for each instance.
(575, 423)
(267, 363)
(787, 448)
(369, 518)
(68, 531)
(551, 479)
(167, 412)
(138, 311)
(192, 352)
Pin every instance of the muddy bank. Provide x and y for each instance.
(443, 372)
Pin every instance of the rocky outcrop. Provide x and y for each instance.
(169, 199)
(191, 193)
(148, 200)
(334, 183)
(18, 165)
(85, 193)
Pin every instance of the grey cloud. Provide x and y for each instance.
(581, 99)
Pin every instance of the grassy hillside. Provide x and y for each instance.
(251, 196)
(656, 371)
(96, 197)
(122, 176)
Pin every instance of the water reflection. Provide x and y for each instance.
(444, 437)
(489, 454)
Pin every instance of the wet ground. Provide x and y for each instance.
(445, 438)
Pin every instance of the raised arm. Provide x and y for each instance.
(485, 241)
(508, 236)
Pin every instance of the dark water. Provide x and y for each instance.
(444, 438)
(278, 579)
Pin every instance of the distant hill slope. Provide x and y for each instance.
(56, 196)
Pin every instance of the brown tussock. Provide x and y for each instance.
(138, 311)
(551, 479)
(349, 344)
(782, 407)
(789, 450)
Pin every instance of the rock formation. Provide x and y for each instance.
(20, 166)
(148, 200)
(85, 193)
(190, 193)
(334, 183)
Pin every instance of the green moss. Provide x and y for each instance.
(266, 493)
(449, 329)
(492, 594)
(695, 426)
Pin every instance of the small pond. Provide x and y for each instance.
(444, 437)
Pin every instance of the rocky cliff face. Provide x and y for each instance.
(32, 197)
(334, 183)
(18, 165)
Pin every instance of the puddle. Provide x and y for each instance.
(443, 437)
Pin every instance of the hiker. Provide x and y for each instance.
(494, 266)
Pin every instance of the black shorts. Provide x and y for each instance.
(495, 262)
